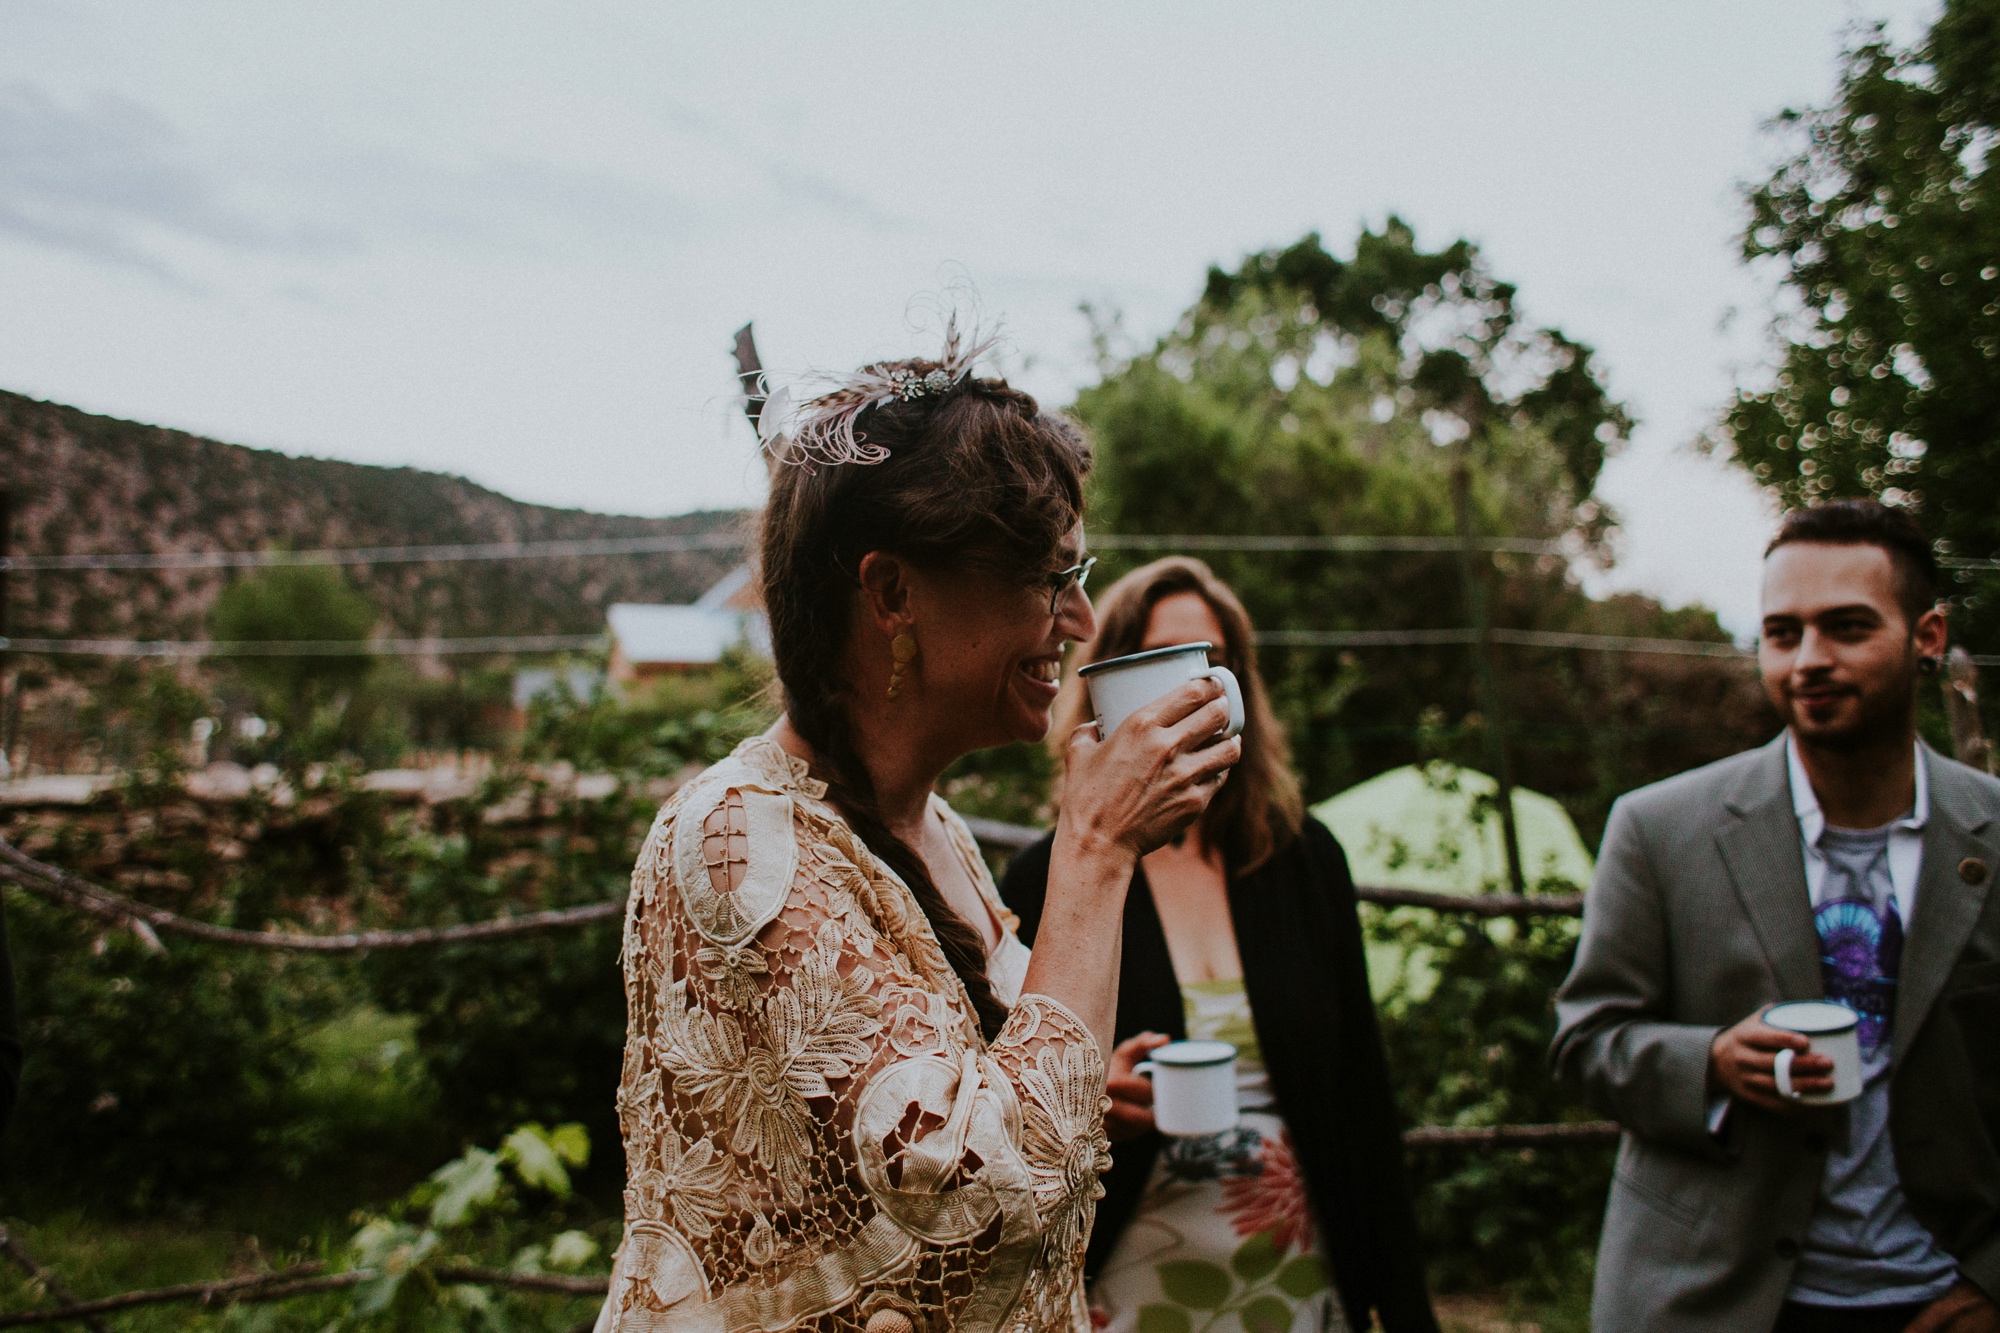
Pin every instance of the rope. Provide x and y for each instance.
(58, 885)
(143, 919)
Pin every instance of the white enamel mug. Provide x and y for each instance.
(1194, 1086)
(1832, 1029)
(1122, 686)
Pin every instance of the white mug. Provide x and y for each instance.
(1194, 1087)
(1122, 686)
(1832, 1029)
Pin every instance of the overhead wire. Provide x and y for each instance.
(675, 543)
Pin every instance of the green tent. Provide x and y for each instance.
(1437, 827)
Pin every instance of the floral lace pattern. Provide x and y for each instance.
(816, 1135)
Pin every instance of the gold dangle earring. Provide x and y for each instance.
(903, 651)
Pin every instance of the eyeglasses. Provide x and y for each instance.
(1062, 581)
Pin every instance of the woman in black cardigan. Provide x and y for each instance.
(1254, 904)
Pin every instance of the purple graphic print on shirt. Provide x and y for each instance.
(1860, 931)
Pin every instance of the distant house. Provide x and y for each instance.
(532, 683)
(649, 641)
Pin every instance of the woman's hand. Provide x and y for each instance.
(1131, 1094)
(1122, 798)
(1137, 788)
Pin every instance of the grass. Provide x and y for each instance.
(96, 1258)
(368, 1103)
(365, 1116)
(93, 1258)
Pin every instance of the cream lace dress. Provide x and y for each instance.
(816, 1136)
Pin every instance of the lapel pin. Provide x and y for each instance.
(1972, 870)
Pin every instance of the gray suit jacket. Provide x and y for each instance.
(1699, 915)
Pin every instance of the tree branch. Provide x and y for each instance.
(51, 1284)
(1510, 1136)
(300, 1280)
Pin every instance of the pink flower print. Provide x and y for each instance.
(1273, 1199)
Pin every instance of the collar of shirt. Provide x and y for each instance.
(1906, 835)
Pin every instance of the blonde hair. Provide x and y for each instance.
(1259, 809)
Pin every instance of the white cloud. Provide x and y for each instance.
(512, 241)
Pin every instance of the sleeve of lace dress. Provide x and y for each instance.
(802, 1064)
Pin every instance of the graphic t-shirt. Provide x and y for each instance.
(1863, 1246)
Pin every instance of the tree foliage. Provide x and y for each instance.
(1884, 229)
(297, 604)
(1309, 394)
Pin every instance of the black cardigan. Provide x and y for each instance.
(1307, 981)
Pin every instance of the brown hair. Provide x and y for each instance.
(1871, 523)
(977, 478)
(1259, 809)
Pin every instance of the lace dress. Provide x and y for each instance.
(1223, 1239)
(816, 1136)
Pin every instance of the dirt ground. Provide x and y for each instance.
(1478, 1314)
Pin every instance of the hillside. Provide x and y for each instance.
(84, 483)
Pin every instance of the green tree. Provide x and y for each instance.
(1307, 394)
(1401, 393)
(307, 694)
(1884, 229)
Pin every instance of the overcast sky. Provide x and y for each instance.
(512, 241)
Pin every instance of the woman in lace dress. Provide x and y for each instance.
(850, 1098)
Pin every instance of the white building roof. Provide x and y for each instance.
(729, 587)
(683, 635)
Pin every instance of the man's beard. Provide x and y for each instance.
(1882, 716)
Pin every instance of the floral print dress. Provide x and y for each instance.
(1223, 1239)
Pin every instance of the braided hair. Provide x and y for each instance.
(976, 478)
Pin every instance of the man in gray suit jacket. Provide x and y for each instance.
(1843, 861)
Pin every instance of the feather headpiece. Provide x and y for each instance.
(823, 433)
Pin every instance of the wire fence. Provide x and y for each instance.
(728, 540)
(567, 548)
(504, 643)
(66, 889)
(559, 643)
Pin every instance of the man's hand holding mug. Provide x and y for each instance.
(1741, 1063)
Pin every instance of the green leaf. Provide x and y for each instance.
(1256, 1257)
(1195, 1283)
(375, 1294)
(469, 1185)
(571, 1143)
(571, 1249)
(527, 1149)
(1164, 1319)
(1266, 1314)
(1302, 1277)
(392, 1247)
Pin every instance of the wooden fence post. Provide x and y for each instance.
(1960, 683)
